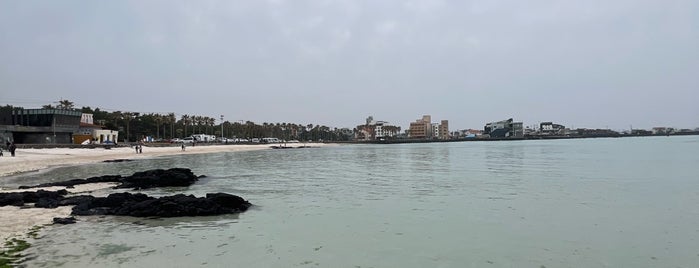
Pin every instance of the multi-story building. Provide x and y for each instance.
(421, 128)
(443, 132)
(373, 130)
(504, 129)
(424, 129)
(39, 125)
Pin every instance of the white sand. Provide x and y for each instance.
(16, 222)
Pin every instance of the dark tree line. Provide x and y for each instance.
(133, 126)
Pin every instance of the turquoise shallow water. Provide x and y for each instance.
(628, 202)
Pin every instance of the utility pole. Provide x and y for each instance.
(222, 129)
(54, 127)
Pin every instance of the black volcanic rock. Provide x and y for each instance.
(140, 205)
(128, 204)
(69, 220)
(11, 199)
(41, 198)
(75, 200)
(117, 160)
(139, 180)
(159, 178)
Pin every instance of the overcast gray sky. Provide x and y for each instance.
(582, 63)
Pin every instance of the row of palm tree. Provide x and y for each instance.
(135, 126)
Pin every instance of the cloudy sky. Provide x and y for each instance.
(582, 63)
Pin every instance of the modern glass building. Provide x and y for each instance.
(38, 126)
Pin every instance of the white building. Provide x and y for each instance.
(89, 133)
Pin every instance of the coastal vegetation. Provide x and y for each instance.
(12, 248)
(11, 251)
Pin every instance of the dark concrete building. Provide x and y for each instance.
(38, 126)
(504, 129)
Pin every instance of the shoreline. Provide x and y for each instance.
(31, 160)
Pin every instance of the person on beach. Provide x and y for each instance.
(12, 149)
(136, 147)
(140, 149)
(0, 151)
(183, 147)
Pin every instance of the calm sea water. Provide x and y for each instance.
(629, 202)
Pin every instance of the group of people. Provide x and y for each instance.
(10, 147)
(139, 149)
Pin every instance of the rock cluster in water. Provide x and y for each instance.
(128, 204)
(141, 205)
(139, 180)
(40, 198)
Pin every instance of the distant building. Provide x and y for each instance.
(467, 133)
(641, 132)
(424, 129)
(504, 129)
(663, 130)
(421, 128)
(443, 132)
(374, 130)
(39, 125)
(586, 132)
(89, 133)
(549, 128)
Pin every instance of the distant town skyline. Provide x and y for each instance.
(582, 64)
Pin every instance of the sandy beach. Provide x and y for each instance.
(15, 221)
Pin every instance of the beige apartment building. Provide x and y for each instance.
(424, 129)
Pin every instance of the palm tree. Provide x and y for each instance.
(211, 122)
(200, 123)
(172, 119)
(185, 119)
(65, 105)
(128, 116)
(158, 119)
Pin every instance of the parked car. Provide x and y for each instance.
(188, 140)
(176, 140)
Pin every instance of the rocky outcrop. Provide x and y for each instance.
(140, 205)
(40, 198)
(139, 180)
(128, 204)
(68, 220)
(159, 178)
